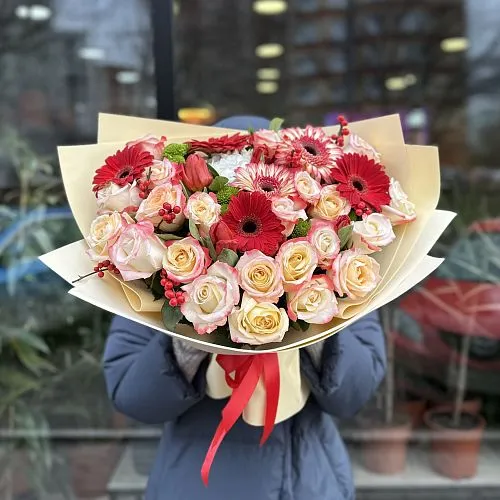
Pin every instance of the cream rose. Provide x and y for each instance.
(185, 260)
(137, 253)
(372, 233)
(309, 189)
(161, 172)
(203, 210)
(104, 231)
(113, 198)
(314, 302)
(354, 274)
(401, 210)
(165, 193)
(257, 323)
(358, 145)
(289, 212)
(323, 237)
(330, 204)
(297, 260)
(260, 276)
(211, 298)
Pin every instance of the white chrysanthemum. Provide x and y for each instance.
(227, 163)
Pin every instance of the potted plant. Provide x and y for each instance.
(386, 432)
(456, 433)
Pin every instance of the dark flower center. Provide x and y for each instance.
(358, 184)
(250, 226)
(268, 184)
(124, 173)
(310, 150)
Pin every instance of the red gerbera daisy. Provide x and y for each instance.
(362, 181)
(123, 167)
(217, 145)
(254, 226)
(309, 149)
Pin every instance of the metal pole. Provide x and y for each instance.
(163, 54)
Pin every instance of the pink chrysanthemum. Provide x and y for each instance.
(268, 179)
(309, 149)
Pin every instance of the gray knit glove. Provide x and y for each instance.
(188, 358)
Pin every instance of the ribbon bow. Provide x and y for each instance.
(247, 371)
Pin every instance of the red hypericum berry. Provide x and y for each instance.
(335, 137)
(167, 207)
(341, 118)
(169, 294)
(163, 273)
(368, 211)
(116, 271)
(179, 294)
(359, 212)
(100, 274)
(173, 302)
(142, 195)
(344, 123)
(169, 285)
(181, 300)
(106, 263)
(163, 282)
(171, 217)
(345, 131)
(362, 205)
(166, 217)
(177, 209)
(161, 212)
(340, 141)
(96, 268)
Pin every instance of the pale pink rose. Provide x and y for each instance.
(203, 210)
(104, 231)
(355, 144)
(297, 259)
(150, 144)
(211, 298)
(114, 198)
(266, 139)
(354, 274)
(330, 204)
(323, 237)
(162, 172)
(257, 323)
(260, 276)
(401, 210)
(185, 260)
(165, 193)
(372, 233)
(137, 253)
(314, 302)
(309, 189)
(289, 212)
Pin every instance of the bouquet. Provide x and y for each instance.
(249, 244)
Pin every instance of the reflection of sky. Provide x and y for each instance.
(116, 27)
(483, 32)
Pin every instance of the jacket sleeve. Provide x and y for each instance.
(143, 378)
(353, 365)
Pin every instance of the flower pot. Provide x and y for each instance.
(473, 406)
(455, 450)
(415, 410)
(384, 447)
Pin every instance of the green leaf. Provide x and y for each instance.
(171, 316)
(168, 236)
(31, 359)
(156, 288)
(213, 171)
(276, 124)
(185, 190)
(218, 183)
(300, 325)
(207, 242)
(193, 229)
(228, 256)
(353, 216)
(176, 152)
(345, 234)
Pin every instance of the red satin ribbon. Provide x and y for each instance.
(247, 371)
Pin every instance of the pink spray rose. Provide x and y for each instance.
(150, 144)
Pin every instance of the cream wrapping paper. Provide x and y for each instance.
(403, 264)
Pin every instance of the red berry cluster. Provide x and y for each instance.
(362, 209)
(168, 213)
(145, 187)
(175, 298)
(105, 265)
(343, 131)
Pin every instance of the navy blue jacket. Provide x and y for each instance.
(304, 459)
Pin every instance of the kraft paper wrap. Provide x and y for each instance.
(403, 264)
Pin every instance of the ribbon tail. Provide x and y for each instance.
(230, 414)
(271, 372)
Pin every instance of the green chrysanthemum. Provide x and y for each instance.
(301, 229)
(226, 193)
(223, 208)
(176, 152)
